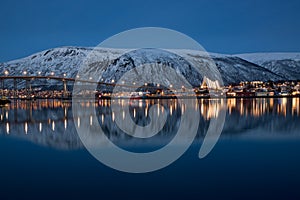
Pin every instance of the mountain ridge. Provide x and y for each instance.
(233, 68)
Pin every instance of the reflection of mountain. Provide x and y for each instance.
(270, 116)
(232, 68)
(51, 127)
(54, 126)
(267, 125)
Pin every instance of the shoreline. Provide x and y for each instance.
(162, 97)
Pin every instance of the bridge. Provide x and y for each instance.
(64, 81)
(28, 80)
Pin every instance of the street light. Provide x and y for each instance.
(39, 73)
(25, 73)
(6, 72)
(64, 74)
(52, 73)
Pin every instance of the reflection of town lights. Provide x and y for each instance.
(91, 120)
(78, 122)
(26, 128)
(113, 116)
(53, 126)
(65, 112)
(65, 124)
(7, 128)
(40, 127)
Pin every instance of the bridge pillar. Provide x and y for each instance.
(65, 88)
(2, 87)
(27, 88)
(15, 89)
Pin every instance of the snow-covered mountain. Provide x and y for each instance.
(259, 58)
(233, 68)
(287, 65)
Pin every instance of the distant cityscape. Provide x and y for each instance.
(149, 90)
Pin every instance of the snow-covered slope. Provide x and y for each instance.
(259, 58)
(287, 65)
(233, 68)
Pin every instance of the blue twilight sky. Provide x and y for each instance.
(232, 26)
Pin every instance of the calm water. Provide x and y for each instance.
(258, 154)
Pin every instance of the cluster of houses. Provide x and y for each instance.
(265, 89)
(207, 89)
(25, 94)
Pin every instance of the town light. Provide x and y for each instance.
(25, 73)
(6, 72)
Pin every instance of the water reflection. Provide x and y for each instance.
(51, 123)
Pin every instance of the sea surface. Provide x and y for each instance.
(257, 154)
